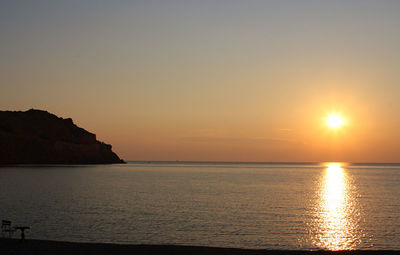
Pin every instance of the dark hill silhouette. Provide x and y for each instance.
(39, 137)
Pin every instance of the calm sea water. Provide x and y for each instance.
(275, 206)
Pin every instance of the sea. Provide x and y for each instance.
(307, 206)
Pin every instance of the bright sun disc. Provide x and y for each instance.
(334, 121)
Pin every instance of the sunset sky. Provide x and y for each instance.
(212, 80)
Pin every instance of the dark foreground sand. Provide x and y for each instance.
(39, 247)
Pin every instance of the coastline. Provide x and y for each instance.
(44, 247)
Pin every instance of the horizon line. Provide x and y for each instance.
(261, 162)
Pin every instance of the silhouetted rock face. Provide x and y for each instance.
(39, 137)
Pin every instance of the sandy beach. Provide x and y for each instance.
(16, 247)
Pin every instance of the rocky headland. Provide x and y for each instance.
(39, 137)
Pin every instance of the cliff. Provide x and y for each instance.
(39, 137)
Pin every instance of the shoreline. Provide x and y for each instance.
(32, 246)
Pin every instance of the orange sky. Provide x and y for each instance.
(212, 81)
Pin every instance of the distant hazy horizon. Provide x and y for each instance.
(212, 80)
(263, 162)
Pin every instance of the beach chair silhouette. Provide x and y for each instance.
(6, 228)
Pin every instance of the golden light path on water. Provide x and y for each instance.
(336, 227)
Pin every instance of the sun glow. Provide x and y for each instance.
(336, 226)
(334, 121)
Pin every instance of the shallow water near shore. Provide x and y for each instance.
(245, 205)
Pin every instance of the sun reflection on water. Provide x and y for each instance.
(336, 227)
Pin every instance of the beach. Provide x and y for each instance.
(27, 247)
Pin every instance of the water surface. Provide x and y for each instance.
(274, 206)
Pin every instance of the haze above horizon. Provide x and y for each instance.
(304, 81)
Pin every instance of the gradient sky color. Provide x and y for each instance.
(211, 80)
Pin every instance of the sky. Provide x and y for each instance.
(211, 80)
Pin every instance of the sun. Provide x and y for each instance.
(334, 121)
